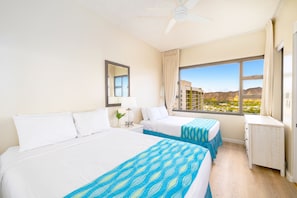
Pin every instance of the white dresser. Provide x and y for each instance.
(265, 142)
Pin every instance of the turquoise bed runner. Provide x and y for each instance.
(166, 169)
(197, 129)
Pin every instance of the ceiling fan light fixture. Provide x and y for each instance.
(180, 13)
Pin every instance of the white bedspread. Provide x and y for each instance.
(171, 125)
(56, 170)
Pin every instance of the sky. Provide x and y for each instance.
(224, 77)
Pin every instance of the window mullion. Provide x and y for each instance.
(254, 77)
(240, 87)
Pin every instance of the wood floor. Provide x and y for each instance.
(231, 177)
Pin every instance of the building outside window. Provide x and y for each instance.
(233, 87)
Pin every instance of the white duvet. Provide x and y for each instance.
(171, 125)
(56, 170)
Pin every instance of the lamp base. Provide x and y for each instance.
(129, 124)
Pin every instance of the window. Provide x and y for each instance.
(121, 86)
(252, 80)
(224, 87)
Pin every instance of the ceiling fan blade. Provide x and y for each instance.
(191, 4)
(170, 25)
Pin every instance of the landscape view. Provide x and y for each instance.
(215, 88)
(229, 101)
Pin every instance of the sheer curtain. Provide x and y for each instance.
(267, 91)
(170, 61)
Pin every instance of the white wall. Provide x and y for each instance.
(241, 46)
(52, 59)
(246, 45)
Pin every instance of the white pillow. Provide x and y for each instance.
(43, 129)
(91, 122)
(144, 113)
(154, 113)
(163, 112)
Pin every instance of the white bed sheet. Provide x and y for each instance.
(56, 170)
(171, 125)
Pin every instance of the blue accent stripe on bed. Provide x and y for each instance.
(197, 129)
(166, 169)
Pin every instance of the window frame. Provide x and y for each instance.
(242, 78)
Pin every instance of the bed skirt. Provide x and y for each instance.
(212, 145)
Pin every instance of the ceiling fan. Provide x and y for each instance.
(181, 14)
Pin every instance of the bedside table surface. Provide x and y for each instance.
(135, 127)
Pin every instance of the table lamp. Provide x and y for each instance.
(128, 103)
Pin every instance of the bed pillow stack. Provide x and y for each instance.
(91, 122)
(144, 113)
(44, 129)
(154, 113)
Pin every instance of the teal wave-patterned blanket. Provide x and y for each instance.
(166, 169)
(197, 129)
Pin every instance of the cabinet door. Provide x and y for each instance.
(261, 140)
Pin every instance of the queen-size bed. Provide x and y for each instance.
(101, 162)
(200, 131)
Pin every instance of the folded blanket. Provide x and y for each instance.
(197, 129)
(166, 169)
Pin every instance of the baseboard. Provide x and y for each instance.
(235, 141)
(289, 176)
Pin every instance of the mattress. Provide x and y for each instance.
(171, 125)
(56, 170)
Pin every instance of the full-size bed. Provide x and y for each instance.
(111, 162)
(200, 131)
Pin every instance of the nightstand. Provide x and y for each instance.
(136, 127)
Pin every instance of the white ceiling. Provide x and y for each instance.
(148, 19)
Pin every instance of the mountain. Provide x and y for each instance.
(253, 91)
(230, 95)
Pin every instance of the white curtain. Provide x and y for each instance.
(267, 91)
(170, 61)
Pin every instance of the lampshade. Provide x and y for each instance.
(128, 102)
